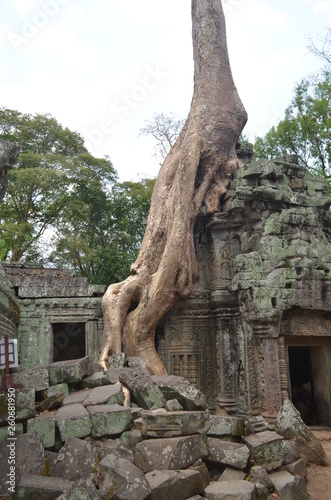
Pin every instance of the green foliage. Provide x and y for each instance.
(103, 238)
(54, 168)
(305, 129)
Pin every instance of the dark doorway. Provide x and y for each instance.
(68, 341)
(302, 383)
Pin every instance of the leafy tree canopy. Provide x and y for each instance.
(305, 129)
(65, 207)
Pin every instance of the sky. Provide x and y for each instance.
(103, 68)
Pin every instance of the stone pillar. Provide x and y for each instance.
(268, 336)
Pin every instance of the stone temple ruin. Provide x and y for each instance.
(254, 335)
(257, 327)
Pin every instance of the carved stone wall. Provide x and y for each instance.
(265, 257)
(58, 312)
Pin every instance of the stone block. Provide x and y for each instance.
(34, 378)
(231, 490)
(77, 397)
(179, 484)
(173, 405)
(123, 477)
(259, 475)
(70, 371)
(179, 388)
(160, 423)
(116, 360)
(109, 394)
(297, 468)
(290, 425)
(75, 460)
(291, 451)
(227, 453)
(232, 475)
(143, 390)
(113, 375)
(201, 467)
(97, 379)
(43, 426)
(289, 487)
(169, 453)
(73, 421)
(267, 449)
(109, 419)
(46, 488)
(84, 489)
(226, 426)
(131, 438)
(62, 389)
(4, 432)
(114, 447)
(25, 404)
(30, 454)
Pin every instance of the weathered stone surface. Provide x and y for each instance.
(201, 467)
(267, 449)
(73, 421)
(25, 404)
(297, 468)
(30, 454)
(70, 371)
(131, 438)
(114, 447)
(108, 394)
(259, 475)
(43, 426)
(227, 453)
(179, 388)
(123, 478)
(290, 425)
(143, 390)
(109, 419)
(179, 484)
(173, 405)
(169, 453)
(84, 489)
(231, 490)
(113, 375)
(62, 389)
(35, 487)
(232, 475)
(291, 451)
(76, 460)
(97, 379)
(116, 360)
(160, 423)
(35, 378)
(136, 362)
(289, 487)
(226, 426)
(5, 432)
(77, 397)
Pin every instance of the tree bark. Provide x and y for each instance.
(196, 171)
(8, 157)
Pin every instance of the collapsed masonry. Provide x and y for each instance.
(257, 327)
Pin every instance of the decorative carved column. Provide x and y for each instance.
(268, 336)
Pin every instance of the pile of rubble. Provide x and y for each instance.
(83, 433)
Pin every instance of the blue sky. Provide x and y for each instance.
(103, 68)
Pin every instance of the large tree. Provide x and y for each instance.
(196, 171)
(53, 175)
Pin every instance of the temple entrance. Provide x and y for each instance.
(68, 341)
(309, 386)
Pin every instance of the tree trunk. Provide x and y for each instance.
(196, 171)
(8, 157)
